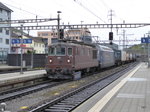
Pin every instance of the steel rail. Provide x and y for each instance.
(11, 94)
(71, 100)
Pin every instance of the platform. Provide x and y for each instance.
(130, 93)
(8, 78)
(6, 67)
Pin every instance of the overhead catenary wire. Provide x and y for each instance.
(87, 9)
(23, 10)
(106, 5)
(109, 8)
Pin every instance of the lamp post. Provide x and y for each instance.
(148, 51)
(58, 20)
(21, 50)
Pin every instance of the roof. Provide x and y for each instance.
(2, 6)
(72, 42)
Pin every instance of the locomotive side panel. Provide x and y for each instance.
(105, 56)
(86, 57)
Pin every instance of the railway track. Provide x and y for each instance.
(69, 101)
(11, 94)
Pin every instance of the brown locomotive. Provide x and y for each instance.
(67, 59)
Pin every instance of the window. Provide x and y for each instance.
(7, 32)
(94, 54)
(7, 41)
(1, 40)
(1, 30)
(51, 51)
(44, 34)
(69, 51)
(1, 10)
(8, 13)
(60, 51)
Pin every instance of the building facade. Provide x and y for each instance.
(49, 35)
(5, 14)
(73, 34)
(37, 46)
(79, 34)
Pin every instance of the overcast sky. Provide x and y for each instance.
(88, 11)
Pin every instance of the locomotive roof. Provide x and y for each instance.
(73, 43)
(104, 48)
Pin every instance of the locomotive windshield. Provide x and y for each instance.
(58, 51)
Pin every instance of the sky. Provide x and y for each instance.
(87, 11)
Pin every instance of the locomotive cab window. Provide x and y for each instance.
(94, 54)
(69, 51)
(60, 51)
(51, 51)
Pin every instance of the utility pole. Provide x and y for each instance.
(58, 20)
(111, 33)
(21, 50)
(148, 49)
(124, 40)
(111, 14)
(148, 52)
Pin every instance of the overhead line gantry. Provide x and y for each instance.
(70, 26)
(27, 21)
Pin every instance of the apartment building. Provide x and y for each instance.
(5, 14)
(51, 36)
(79, 34)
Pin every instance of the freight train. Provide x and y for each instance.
(66, 60)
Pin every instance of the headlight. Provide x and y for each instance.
(50, 60)
(68, 60)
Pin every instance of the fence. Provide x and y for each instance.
(38, 60)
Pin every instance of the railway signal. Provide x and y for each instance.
(110, 35)
(61, 33)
